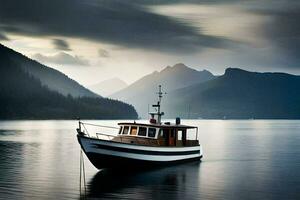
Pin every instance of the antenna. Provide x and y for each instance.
(158, 113)
(158, 103)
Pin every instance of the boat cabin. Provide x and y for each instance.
(154, 133)
(157, 134)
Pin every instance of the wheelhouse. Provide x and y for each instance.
(161, 134)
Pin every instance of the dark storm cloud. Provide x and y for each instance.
(61, 44)
(118, 22)
(61, 58)
(129, 23)
(282, 29)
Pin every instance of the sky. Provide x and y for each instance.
(95, 40)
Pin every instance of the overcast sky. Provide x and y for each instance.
(94, 40)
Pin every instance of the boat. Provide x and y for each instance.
(137, 145)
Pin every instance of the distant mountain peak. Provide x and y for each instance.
(155, 72)
(166, 69)
(238, 72)
(142, 92)
(116, 79)
(233, 71)
(108, 86)
(180, 65)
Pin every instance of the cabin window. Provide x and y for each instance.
(120, 131)
(133, 130)
(151, 132)
(125, 130)
(179, 133)
(142, 131)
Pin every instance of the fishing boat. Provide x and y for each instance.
(140, 144)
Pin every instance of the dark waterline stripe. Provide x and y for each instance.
(145, 152)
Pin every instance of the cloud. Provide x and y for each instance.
(282, 29)
(125, 23)
(103, 53)
(269, 29)
(61, 44)
(134, 24)
(61, 58)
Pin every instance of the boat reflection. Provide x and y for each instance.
(174, 182)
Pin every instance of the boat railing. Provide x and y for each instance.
(104, 135)
(97, 131)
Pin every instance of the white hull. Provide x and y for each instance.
(104, 153)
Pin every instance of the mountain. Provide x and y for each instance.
(23, 96)
(240, 94)
(49, 77)
(143, 91)
(108, 87)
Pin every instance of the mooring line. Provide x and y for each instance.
(82, 173)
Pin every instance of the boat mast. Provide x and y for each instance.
(158, 113)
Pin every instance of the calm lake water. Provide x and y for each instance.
(243, 159)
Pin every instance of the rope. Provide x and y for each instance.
(82, 180)
(83, 173)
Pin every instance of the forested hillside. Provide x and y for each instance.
(49, 77)
(240, 94)
(22, 96)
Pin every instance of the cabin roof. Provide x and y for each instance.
(158, 125)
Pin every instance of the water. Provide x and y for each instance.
(250, 159)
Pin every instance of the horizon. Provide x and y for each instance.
(139, 37)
